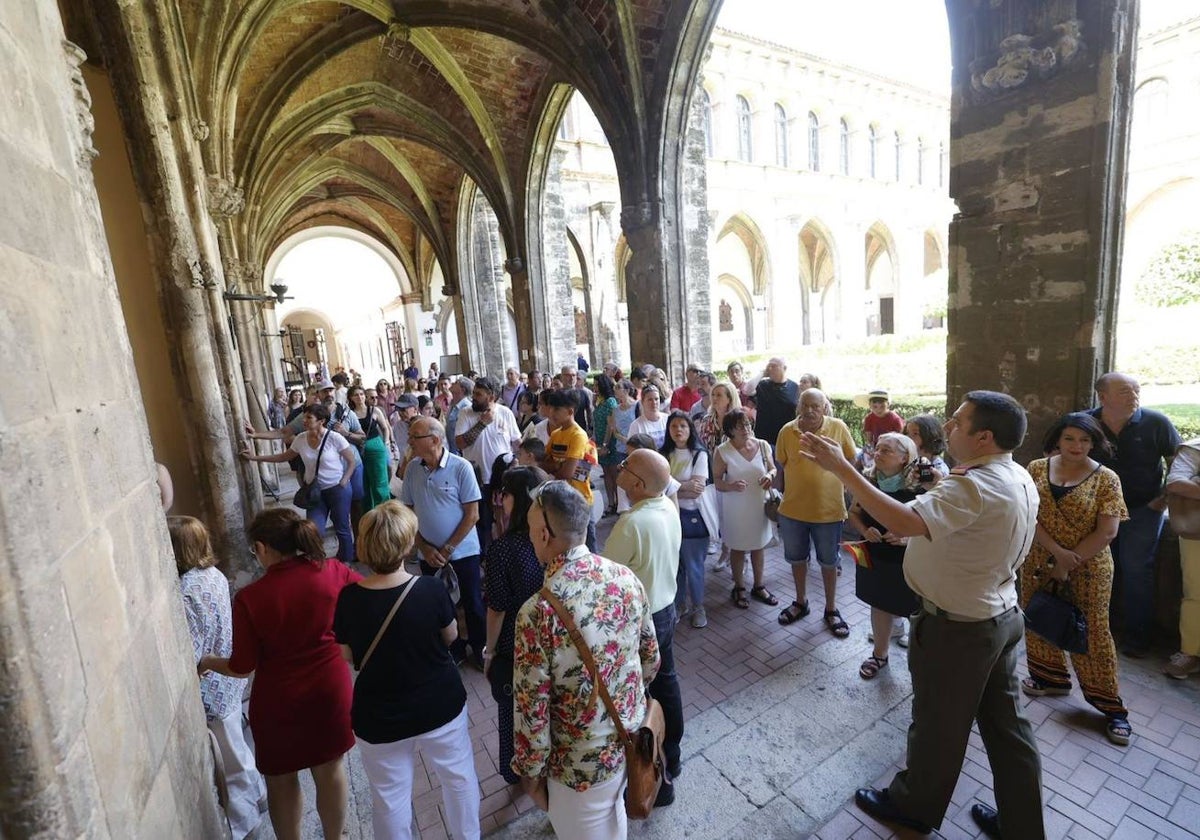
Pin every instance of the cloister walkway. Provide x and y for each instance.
(781, 730)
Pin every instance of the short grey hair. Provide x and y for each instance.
(466, 383)
(566, 511)
(435, 427)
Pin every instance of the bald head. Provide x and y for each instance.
(646, 474)
(811, 409)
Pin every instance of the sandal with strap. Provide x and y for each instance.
(793, 612)
(763, 596)
(871, 667)
(836, 624)
(1119, 731)
(738, 596)
(1034, 687)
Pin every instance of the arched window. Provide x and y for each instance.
(899, 167)
(844, 147)
(706, 121)
(941, 164)
(1149, 107)
(920, 160)
(781, 135)
(745, 149)
(814, 142)
(872, 151)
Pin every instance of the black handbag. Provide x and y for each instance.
(309, 494)
(1056, 619)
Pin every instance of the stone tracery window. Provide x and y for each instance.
(745, 147)
(814, 142)
(872, 151)
(1150, 103)
(781, 136)
(706, 121)
(844, 147)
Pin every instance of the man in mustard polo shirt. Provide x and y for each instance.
(813, 507)
(566, 451)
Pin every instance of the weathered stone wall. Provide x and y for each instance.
(101, 729)
(1040, 114)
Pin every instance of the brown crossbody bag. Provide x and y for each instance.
(644, 762)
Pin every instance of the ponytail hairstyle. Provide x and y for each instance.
(189, 539)
(283, 530)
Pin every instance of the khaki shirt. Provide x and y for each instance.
(981, 522)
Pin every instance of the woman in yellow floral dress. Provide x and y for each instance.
(1081, 507)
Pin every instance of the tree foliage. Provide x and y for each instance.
(1173, 276)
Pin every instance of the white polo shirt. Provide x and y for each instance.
(981, 521)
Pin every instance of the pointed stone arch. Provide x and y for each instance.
(747, 230)
(819, 277)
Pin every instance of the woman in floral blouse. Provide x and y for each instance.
(567, 748)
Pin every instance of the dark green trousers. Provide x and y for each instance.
(963, 672)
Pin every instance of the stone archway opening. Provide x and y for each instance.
(343, 285)
(935, 285)
(818, 281)
(881, 285)
(733, 319)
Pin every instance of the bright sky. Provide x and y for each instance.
(902, 39)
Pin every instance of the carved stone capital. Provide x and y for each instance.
(83, 104)
(200, 130)
(514, 265)
(196, 268)
(225, 200)
(243, 275)
(1023, 57)
(637, 216)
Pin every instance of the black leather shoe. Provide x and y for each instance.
(987, 819)
(879, 805)
(666, 794)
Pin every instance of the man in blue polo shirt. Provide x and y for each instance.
(1141, 439)
(441, 487)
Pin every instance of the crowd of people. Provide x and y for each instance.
(492, 531)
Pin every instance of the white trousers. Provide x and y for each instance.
(246, 786)
(597, 813)
(389, 769)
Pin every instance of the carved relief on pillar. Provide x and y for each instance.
(514, 265)
(225, 199)
(86, 124)
(637, 216)
(200, 130)
(242, 274)
(1021, 57)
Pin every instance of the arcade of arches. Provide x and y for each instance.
(225, 129)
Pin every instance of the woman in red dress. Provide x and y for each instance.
(300, 698)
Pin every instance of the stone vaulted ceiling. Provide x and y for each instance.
(380, 115)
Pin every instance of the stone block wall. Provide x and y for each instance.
(101, 729)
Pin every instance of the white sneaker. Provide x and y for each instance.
(714, 547)
(699, 618)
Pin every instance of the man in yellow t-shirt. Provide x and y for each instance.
(566, 452)
(813, 507)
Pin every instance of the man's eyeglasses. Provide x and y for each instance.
(624, 467)
(420, 437)
(535, 497)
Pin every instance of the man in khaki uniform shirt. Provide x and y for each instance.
(970, 534)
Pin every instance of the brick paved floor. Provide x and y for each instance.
(770, 782)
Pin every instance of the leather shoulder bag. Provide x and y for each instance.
(309, 494)
(645, 766)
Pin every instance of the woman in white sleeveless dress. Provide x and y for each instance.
(742, 471)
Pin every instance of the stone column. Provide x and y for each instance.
(1039, 144)
(518, 274)
(850, 240)
(557, 306)
(486, 288)
(603, 279)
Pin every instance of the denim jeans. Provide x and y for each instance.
(689, 580)
(334, 505)
(665, 687)
(1133, 555)
(470, 588)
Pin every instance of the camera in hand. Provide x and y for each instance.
(924, 470)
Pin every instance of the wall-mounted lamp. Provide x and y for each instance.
(279, 296)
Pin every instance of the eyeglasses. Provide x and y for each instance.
(420, 437)
(535, 497)
(624, 467)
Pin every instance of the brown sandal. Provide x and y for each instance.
(738, 596)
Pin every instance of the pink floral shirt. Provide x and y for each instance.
(560, 725)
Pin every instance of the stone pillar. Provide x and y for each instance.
(851, 242)
(486, 326)
(101, 733)
(692, 294)
(602, 277)
(1039, 144)
(557, 307)
(518, 274)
